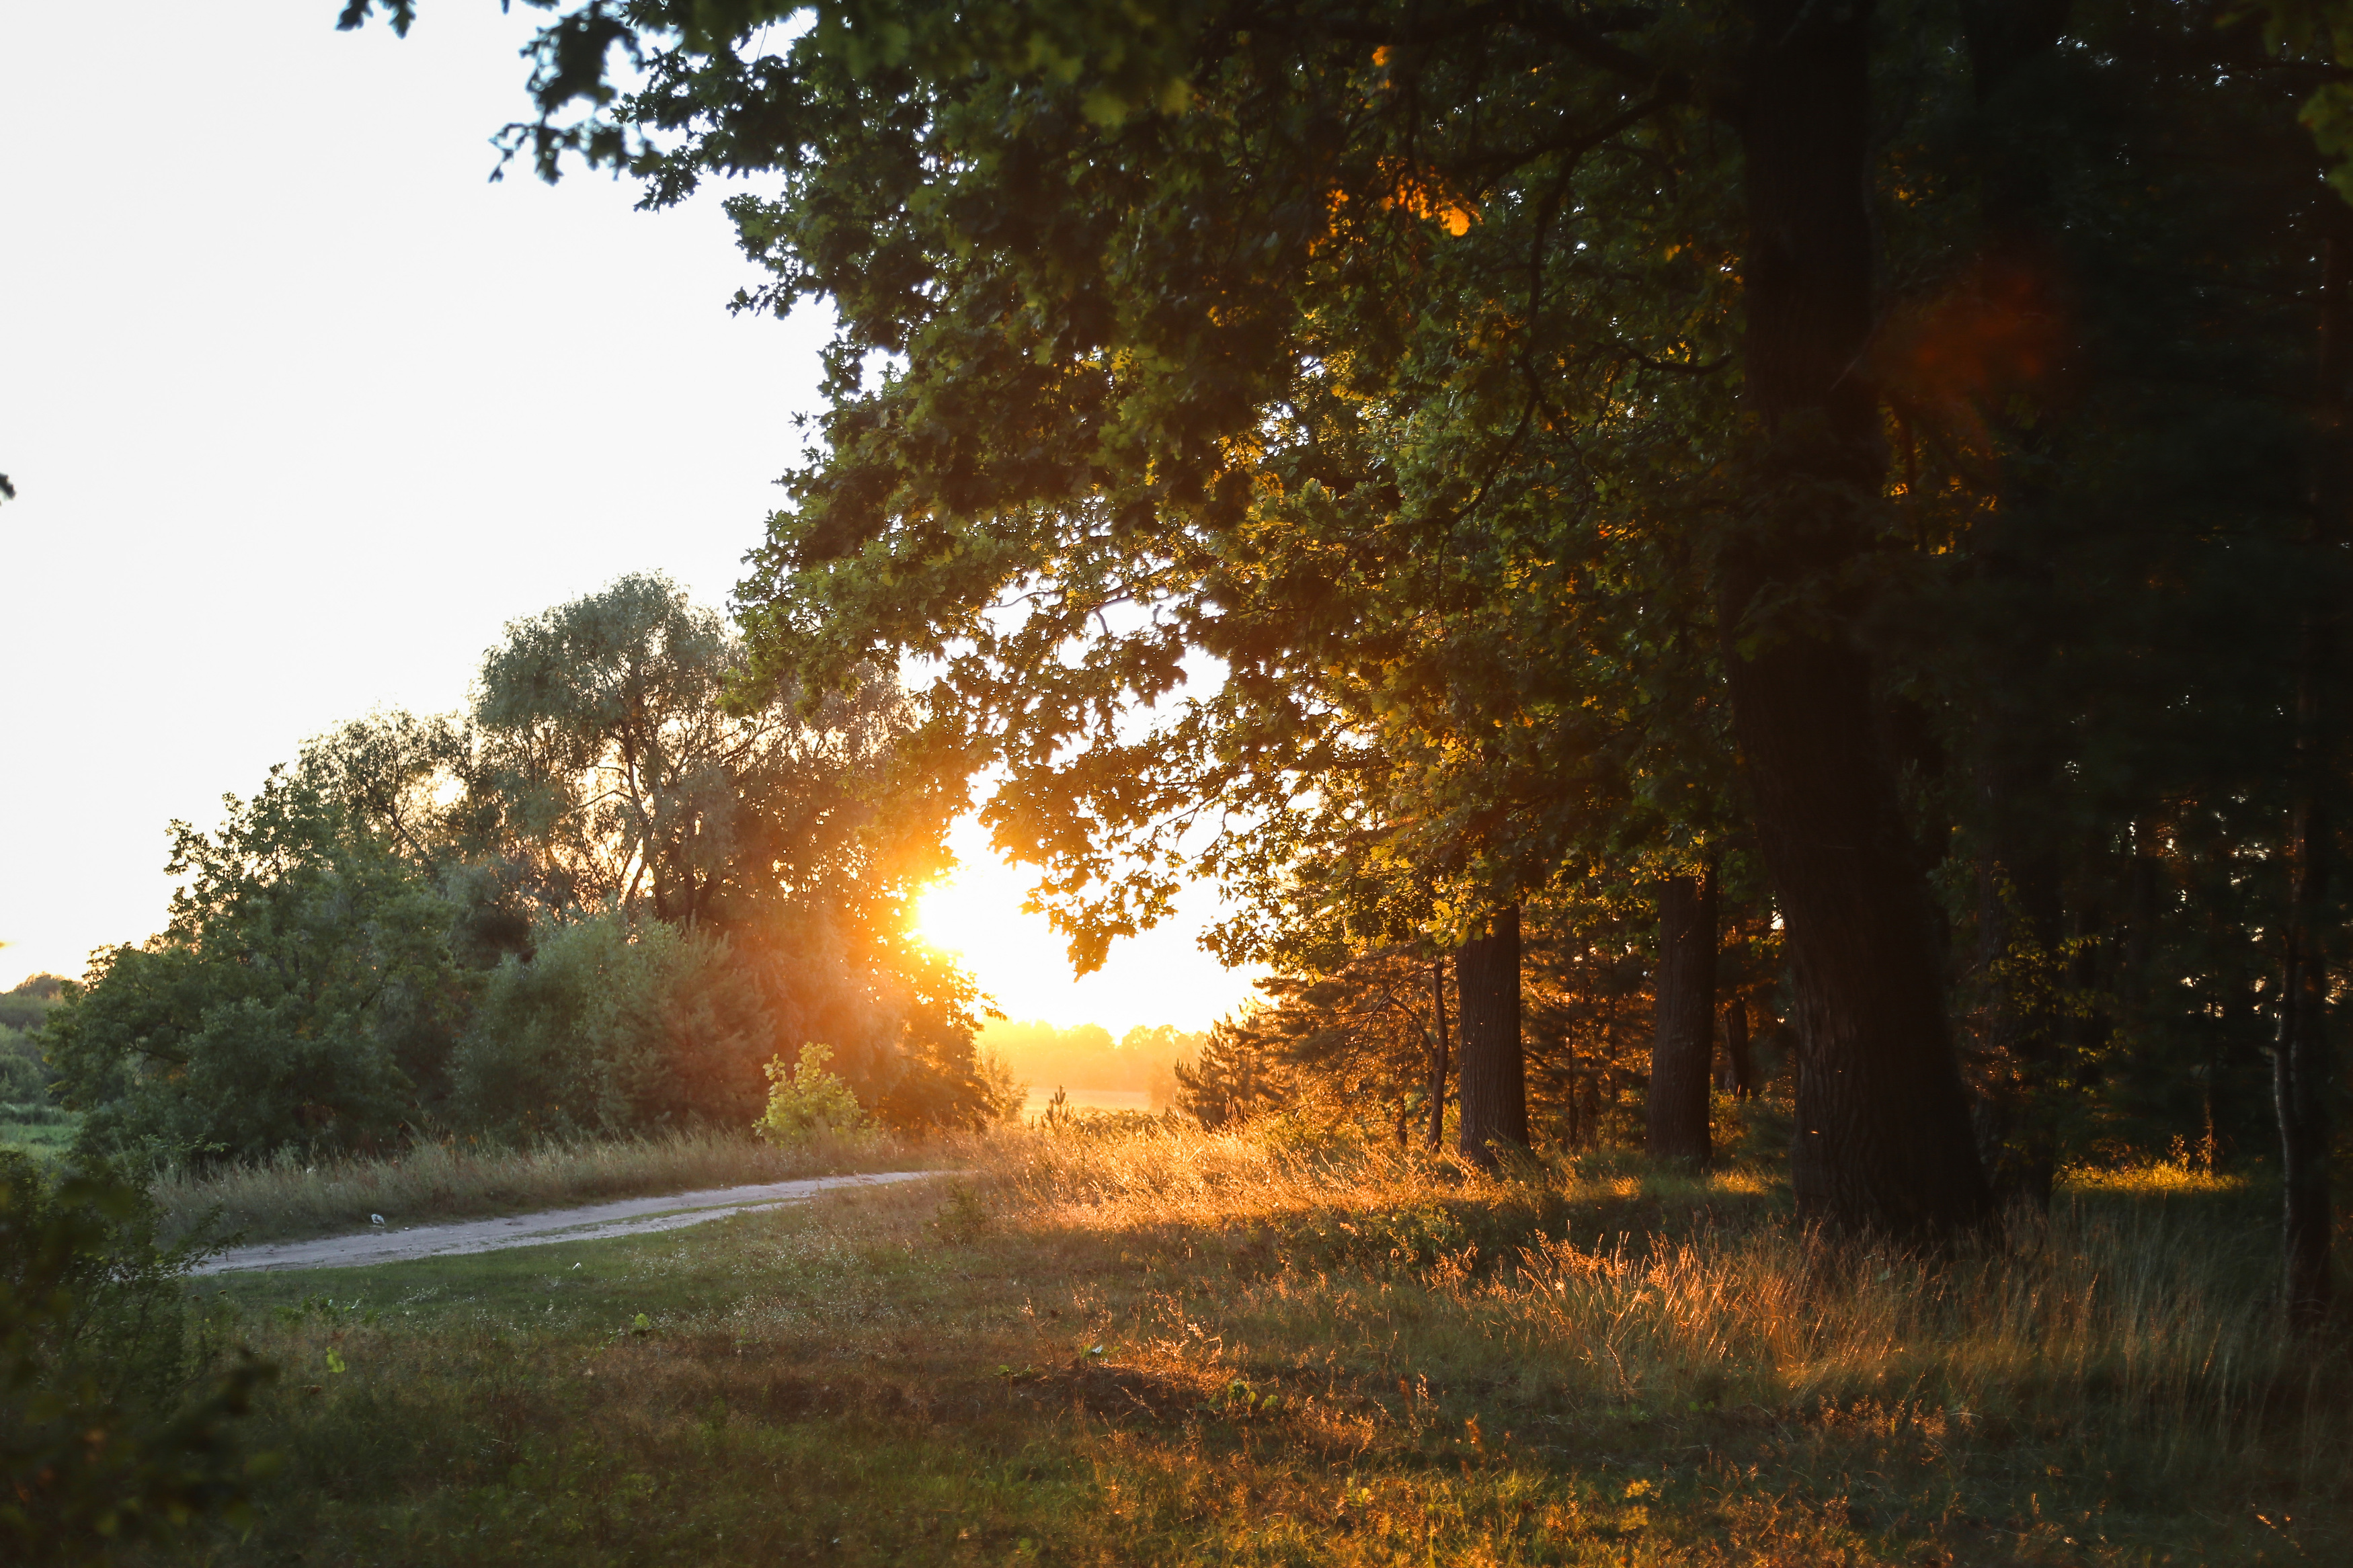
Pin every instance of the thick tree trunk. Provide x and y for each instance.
(2300, 1067)
(1493, 1096)
(1438, 1063)
(1686, 1036)
(1884, 1141)
(1738, 1075)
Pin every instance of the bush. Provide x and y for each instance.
(806, 1100)
(115, 1424)
(299, 996)
(614, 1027)
(23, 1076)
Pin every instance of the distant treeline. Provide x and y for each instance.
(1142, 1061)
(23, 1076)
(599, 901)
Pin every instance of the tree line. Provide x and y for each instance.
(1877, 468)
(598, 901)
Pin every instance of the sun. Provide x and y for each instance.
(949, 911)
(1022, 963)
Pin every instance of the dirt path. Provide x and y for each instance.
(594, 1222)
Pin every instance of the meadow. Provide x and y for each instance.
(1276, 1347)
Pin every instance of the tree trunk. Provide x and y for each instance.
(1884, 1141)
(1686, 1036)
(1740, 1074)
(1493, 1095)
(1438, 1063)
(2301, 1068)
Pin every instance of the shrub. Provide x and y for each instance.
(614, 1027)
(114, 1422)
(806, 1100)
(23, 1076)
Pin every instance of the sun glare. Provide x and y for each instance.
(1023, 966)
(947, 913)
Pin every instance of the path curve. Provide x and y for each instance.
(592, 1222)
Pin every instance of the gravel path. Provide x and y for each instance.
(594, 1222)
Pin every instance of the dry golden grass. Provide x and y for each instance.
(1272, 1348)
(290, 1196)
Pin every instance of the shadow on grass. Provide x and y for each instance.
(1204, 1351)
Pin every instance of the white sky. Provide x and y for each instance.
(301, 410)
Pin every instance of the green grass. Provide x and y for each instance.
(1178, 1347)
(46, 1137)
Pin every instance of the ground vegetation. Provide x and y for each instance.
(1268, 1346)
(120, 1397)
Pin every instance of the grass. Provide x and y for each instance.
(1175, 1347)
(289, 1198)
(43, 1131)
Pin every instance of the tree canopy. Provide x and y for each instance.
(1440, 465)
(595, 902)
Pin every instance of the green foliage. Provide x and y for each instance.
(303, 993)
(116, 1423)
(26, 1007)
(598, 903)
(1341, 438)
(1236, 1075)
(806, 1101)
(25, 1077)
(613, 1026)
(2313, 40)
(1309, 447)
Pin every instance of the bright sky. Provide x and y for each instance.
(301, 410)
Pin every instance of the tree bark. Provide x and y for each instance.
(1492, 1082)
(1740, 1074)
(2300, 1067)
(1437, 1052)
(1882, 1140)
(1684, 1039)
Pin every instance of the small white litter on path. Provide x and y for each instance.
(593, 1221)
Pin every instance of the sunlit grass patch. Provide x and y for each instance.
(2157, 1178)
(1178, 1347)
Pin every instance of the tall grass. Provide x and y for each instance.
(2134, 1333)
(1114, 1342)
(291, 1197)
